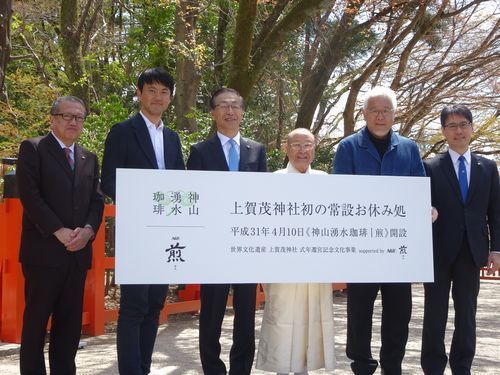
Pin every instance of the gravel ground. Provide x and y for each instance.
(176, 350)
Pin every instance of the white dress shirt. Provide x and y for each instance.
(63, 146)
(454, 158)
(156, 134)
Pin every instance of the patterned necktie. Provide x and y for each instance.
(234, 159)
(71, 162)
(462, 178)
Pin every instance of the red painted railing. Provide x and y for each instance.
(95, 315)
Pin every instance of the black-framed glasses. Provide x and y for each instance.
(69, 117)
(455, 125)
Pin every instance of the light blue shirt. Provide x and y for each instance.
(226, 145)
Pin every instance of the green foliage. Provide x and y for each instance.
(109, 111)
(131, 35)
(433, 37)
(26, 115)
(275, 158)
(204, 121)
(151, 37)
(324, 157)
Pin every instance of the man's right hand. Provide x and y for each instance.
(64, 235)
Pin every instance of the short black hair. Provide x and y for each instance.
(153, 75)
(458, 110)
(222, 90)
(68, 98)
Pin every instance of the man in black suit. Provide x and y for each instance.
(227, 150)
(141, 142)
(62, 210)
(465, 191)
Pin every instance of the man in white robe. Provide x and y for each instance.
(297, 331)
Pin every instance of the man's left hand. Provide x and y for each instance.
(434, 214)
(493, 263)
(80, 237)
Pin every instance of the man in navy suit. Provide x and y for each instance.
(141, 142)
(227, 150)
(62, 210)
(466, 236)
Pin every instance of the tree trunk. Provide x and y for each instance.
(187, 72)
(245, 24)
(246, 68)
(5, 46)
(220, 43)
(281, 113)
(329, 56)
(71, 36)
(394, 38)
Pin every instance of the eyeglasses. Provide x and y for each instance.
(384, 112)
(69, 117)
(226, 107)
(299, 146)
(454, 126)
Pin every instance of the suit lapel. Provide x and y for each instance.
(475, 172)
(144, 139)
(218, 153)
(449, 171)
(80, 160)
(58, 153)
(245, 150)
(166, 147)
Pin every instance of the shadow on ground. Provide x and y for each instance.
(176, 351)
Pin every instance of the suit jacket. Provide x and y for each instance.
(209, 156)
(478, 218)
(129, 145)
(357, 155)
(54, 196)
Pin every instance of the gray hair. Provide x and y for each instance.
(68, 98)
(380, 91)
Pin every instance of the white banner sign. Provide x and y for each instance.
(227, 227)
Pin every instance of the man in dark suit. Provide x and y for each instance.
(62, 210)
(227, 150)
(465, 191)
(377, 150)
(141, 142)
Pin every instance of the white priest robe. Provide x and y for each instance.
(297, 331)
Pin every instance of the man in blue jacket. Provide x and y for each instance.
(377, 150)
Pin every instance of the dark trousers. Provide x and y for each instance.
(138, 318)
(58, 292)
(213, 307)
(462, 276)
(396, 314)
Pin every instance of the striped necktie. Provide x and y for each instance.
(71, 162)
